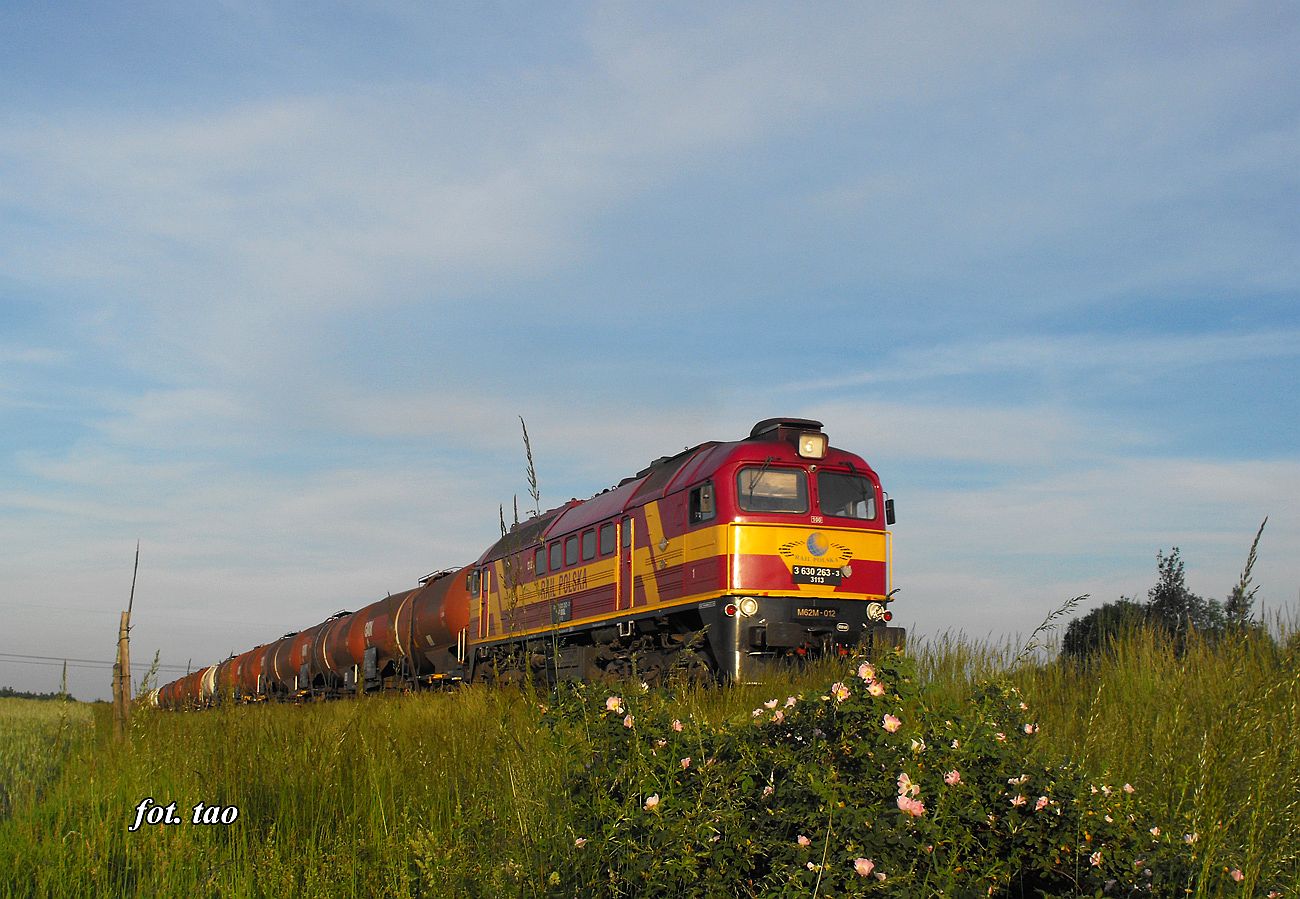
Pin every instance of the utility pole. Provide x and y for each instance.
(122, 667)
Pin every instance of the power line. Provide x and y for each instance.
(60, 659)
(26, 662)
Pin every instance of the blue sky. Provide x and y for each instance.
(275, 283)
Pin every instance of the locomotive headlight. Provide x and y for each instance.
(812, 446)
(748, 606)
(875, 611)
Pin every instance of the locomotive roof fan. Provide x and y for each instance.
(804, 433)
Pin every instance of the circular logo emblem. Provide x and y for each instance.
(818, 544)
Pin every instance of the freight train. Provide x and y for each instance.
(716, 562)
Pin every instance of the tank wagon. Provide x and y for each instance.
(718, 561)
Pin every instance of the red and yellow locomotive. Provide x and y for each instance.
(719, 560)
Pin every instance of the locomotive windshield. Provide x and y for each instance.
(846, 495)
(763, 489)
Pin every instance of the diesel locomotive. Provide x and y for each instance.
(716, 562)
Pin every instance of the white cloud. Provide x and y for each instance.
(1045, 356)
(1035, 434)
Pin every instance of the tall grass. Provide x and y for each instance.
(1211, 733)
(36, 739)
(464, 794)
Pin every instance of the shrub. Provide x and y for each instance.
(861, 789)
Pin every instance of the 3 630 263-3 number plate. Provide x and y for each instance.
(815, 574)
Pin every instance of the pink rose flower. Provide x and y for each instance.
(1040, 804)
(876, 688)
(803, 841)
(914, 807)
(890, 723)
(863, 866)
(952, 778)
(1095, 859)
(839, 691)
(614, 704)
(866, 671)
(1018, 801)
(686, 763)
(651, 801)
(677, 725)
(627, 721)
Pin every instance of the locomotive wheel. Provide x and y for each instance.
(651, 667)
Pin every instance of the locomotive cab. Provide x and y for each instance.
(807, 547)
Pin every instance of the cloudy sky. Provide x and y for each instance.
(276, 280)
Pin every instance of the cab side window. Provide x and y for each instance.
(556, 560)
(607, 538)
(702, 506)
(571, 550)
(588, 545)
(539, 561)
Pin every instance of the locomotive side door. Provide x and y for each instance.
(626, 580)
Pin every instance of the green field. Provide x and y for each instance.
(505, 793)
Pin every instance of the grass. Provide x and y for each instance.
(463, 794)
(36, 738)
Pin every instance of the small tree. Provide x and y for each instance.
(1169, 602)
(1177, 610)
(1099, 628)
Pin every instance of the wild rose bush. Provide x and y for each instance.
(863, 789)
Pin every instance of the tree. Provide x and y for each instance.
(1177, 610)
(1169, 602)
(1095, 631)
(1170, 606)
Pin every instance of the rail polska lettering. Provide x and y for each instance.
(564, 582)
